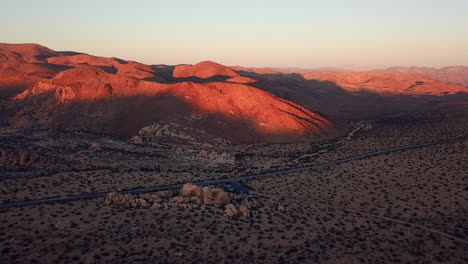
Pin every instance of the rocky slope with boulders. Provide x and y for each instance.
(190, 196)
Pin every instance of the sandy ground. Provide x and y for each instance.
(408, 207)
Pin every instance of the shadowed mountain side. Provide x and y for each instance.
(15, 77)
(241, 79)
(125, 116)
(203, 72)
(245, 71)
(165, 74)
(85, 86)
(69, 53)
(288, 70)
(340, 105)
(373, 81)
(217, 78)
(11, 89)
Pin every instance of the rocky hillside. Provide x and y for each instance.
(354, 96)
(114, 96)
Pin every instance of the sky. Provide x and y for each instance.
(258, 33)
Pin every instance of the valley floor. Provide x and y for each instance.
(408, 207)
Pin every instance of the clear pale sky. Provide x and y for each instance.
(306, 33)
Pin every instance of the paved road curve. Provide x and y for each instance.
(229, 180)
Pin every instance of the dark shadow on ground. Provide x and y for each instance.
(70, 53)
(165, 74)
(339, 105)
(125, 116)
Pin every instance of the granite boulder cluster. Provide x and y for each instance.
(188, 197)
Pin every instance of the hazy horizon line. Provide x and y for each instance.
(325, 67)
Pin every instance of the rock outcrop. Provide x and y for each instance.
(114, 198)
(165, 194)
(19, 157)
(64, 224)
(242, 210)
(95, 147)
(230, 210)
(188, 197)
(217, 157)
(170, 131)
(137, 140)
(207, 195)
(189, 190)
(160, 130)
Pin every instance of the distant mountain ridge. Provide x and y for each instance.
(453, 74)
